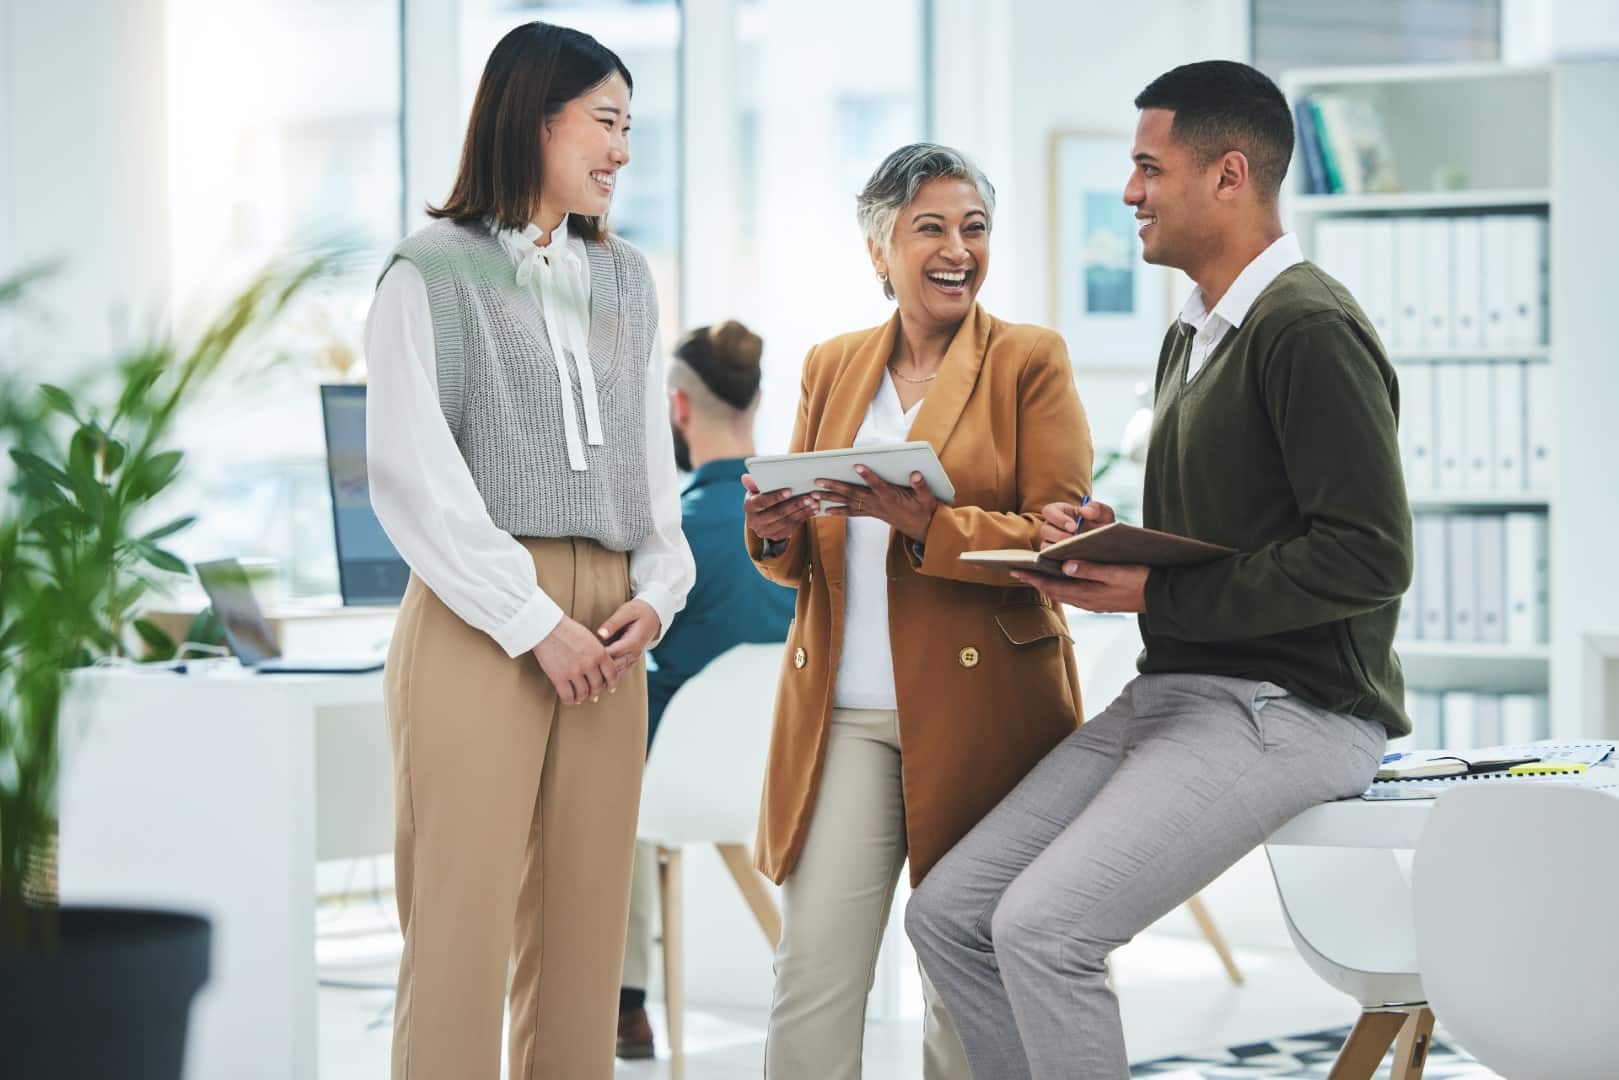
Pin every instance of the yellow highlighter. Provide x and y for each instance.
(1548, 768)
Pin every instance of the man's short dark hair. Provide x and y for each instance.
(1220, 106)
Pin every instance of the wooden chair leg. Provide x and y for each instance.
(670, 890)
(1411, 1046)
(1205, 923)
(752, 884)
(1363, 1051)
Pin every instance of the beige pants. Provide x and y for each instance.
(515, 822)
(835, 905)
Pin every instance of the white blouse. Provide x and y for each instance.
(425, 497)
(866, 665)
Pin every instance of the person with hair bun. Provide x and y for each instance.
(713, 395)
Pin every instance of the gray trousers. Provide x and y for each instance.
(1126, 819)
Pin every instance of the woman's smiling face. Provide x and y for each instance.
(583, 146)
(938, 255)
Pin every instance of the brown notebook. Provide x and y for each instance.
(1113, 543)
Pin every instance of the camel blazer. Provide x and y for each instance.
(983, 668)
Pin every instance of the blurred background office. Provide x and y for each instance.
(161, 151)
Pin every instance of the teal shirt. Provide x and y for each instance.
(730, 604)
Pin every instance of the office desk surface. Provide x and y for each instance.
(216, 792)
(1360, 823)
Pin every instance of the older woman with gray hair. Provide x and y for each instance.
(917, 689)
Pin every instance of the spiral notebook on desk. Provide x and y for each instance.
(1589, 756)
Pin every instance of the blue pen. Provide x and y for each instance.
(1393, 757)
(1079, 522)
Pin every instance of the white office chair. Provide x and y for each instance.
(702, 786)
(1348, 911)
(1514, 899)
(1103, 672)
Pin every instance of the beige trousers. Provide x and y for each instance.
(835, 905)
(515, 823)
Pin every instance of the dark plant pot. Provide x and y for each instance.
(112, 999)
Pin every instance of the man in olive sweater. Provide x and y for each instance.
(1269, 681)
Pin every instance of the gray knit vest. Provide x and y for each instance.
(497, 385)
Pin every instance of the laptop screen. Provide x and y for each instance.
(369, 570)
(247, 632)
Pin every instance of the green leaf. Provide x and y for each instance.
(154, 474)
(59, 400)
(60, 518)
(170, 529)
(159, 645)
(161, 559)
(113, 453)
(81, 454)
(35, 466)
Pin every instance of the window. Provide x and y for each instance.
(822, 94)
(284, 134)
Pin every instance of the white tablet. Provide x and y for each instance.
(894, 463)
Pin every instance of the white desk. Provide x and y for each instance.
(216, 793)
(1359, 823)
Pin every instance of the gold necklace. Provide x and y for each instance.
(908, 379)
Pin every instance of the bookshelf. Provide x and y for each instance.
(1460, 152)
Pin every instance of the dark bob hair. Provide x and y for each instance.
(534, 72)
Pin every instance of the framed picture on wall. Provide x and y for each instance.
(1110, 307)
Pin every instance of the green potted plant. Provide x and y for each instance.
(92, 991)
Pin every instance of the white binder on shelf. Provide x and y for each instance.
(1417, 426)
(1436, 303)
(1450, 426)
(1540, 418)
(1467, 290)
(1486, 720)
(1525, 718)
(1478, 429)
(1461, 545)
(1409, 282)
(1495, 259)
(1458, 710)
(1490, 560)
(1510, 392)
(1526, 279)
(1526, 560)
(1427, 725)
(1432, 578)
(1378, 301)
(1339, 251)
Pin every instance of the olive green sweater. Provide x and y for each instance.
(1283, 447)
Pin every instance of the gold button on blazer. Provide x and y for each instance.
(983, 669)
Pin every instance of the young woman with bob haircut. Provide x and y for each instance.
(521, 462)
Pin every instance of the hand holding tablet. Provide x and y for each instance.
(798, 473)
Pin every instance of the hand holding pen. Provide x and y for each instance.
(1063, 520)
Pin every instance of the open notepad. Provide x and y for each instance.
(1584, 756)
(1115, 542)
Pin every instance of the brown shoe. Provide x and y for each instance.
(635, 1036)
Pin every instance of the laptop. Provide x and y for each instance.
(248, 632)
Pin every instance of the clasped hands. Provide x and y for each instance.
(581, 665)
(1105, 587)
(776, 515)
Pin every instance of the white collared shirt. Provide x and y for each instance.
(439, 523)
(1209, 327)
(866, 664)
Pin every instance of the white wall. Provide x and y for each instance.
(82, 127)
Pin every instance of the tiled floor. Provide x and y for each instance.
(1173, 994)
